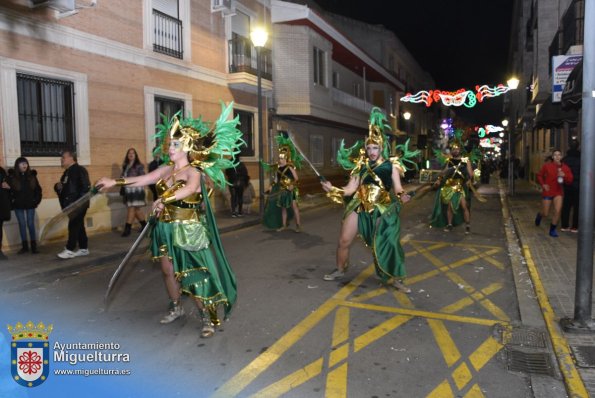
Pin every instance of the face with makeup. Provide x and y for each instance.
(176, 150)
(282, 160)
(373, 152)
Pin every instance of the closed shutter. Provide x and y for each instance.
(240, 23)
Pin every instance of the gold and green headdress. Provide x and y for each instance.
(210, 147)
(288, 151)
(376, 131)
(457, 140)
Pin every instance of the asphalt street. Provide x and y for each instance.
(292, 334)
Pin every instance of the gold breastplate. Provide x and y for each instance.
(186, 209)
(371, 195)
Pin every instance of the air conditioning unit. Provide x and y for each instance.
(59, 5)
(225, 6)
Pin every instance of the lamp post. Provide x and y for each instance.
(510, 165)
(513, 84)
(259, 38)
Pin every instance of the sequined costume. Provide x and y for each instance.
(379, 224)
(186, 232)
(453, 189)
(281, 196)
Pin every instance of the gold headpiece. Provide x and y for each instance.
(375, 136)
(192, 140)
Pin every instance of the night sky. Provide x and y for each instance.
(461, 43)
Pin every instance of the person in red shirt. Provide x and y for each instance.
(552, 177)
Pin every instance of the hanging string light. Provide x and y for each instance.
(461, 97)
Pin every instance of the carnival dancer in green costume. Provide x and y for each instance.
(185, 237)
(282, 202)
(452, 202)
(373, 198)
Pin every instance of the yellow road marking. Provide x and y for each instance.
(336, 382)
(341, 326)
(443, 390)
(474, 392)
(379, 331)
(424, 314)
(336, 385)
(292, 381)
(574, 384)
(450, 352)
(489, 259)
(484, 353)
(462, 375)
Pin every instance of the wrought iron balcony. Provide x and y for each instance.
(167, 38)
(242, 57)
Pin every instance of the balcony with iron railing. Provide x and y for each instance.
(167, 35)
(350, 101)
(242, 57)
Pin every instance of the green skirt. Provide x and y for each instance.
(196, 267)
(381, 231)
(439, 218)
(278, 199)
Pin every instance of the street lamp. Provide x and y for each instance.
(510, 170)
(259, 38)
(513, 83)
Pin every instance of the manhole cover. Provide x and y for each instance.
(529, 362)
(524, 337)
(584, 355)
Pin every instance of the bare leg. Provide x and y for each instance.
(545, 207)
(172, 286)
(173, 290)
(449, 214)
(284, 217)
(466, 213)
(348, 233)
(558, 200)
(296, 211)
(138, 213)
(130, 213)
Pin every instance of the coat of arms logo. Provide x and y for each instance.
(30, 353)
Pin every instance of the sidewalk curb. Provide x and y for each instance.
(573, 382)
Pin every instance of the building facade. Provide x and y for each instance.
(547, 38)
(95, 77)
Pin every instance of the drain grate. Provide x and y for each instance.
(584, 355)
(525, 337)
(529, 362)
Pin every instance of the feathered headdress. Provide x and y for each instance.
(404, 158)
(376, 131)
(457, 140)
(212, 149)
(288, 151)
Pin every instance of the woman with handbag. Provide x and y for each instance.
(134, 197)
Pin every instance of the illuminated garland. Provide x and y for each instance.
(460, 97)
(487, 129)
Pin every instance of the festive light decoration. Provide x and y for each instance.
(487, 129)
(461, 97)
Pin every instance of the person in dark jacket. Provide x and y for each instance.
(26, 196)
(72, 186)
(238, 178)
(4, 205)
(154, 165)
(571, 192)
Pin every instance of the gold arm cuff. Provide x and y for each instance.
(168, 197)
(336, 195)
(122, 181)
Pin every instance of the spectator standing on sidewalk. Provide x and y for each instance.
(73, 184)
(26, 196)
(4, 205)
(249, 194)
(552, 177)
(238, 178)
(134, 197)
(571, 192)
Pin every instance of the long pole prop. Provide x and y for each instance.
(321, 177)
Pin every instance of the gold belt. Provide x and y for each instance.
(371, 195)
(173, 213)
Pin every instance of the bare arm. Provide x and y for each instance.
(397, 187)
(348, 189)
(140, 181)
(470, 172)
